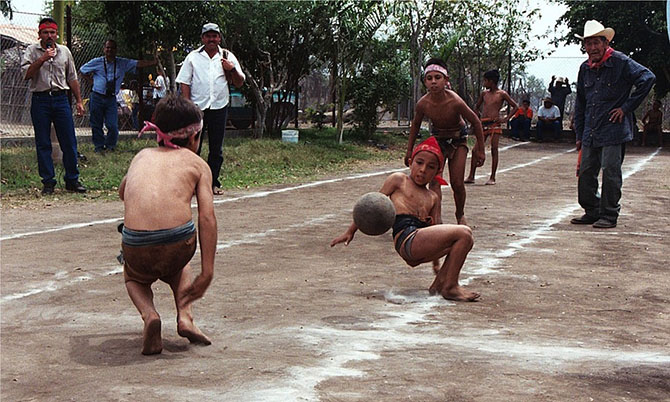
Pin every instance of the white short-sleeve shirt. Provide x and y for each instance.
(550, 113)
(205, 76)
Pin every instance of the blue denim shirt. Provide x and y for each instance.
(601, 90)
(97, 67)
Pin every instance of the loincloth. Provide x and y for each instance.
(157, 254)
(490, 127)
(405, 228)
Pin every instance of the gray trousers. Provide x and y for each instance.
(604, 204)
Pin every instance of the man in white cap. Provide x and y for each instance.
(604, 122)
(204, 78)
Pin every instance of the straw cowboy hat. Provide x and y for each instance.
(594, 28)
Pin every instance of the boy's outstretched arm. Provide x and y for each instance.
(345, 237)
(208, 237)
(469, 115)
(390, 185)
(413, 131)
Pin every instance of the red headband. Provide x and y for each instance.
(47, 25)
(431, 145)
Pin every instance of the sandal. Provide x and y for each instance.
(217, 191)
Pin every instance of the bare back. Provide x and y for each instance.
(159, 186)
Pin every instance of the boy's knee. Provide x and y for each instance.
(465, 235)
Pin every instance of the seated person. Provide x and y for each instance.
(548, 118)
(653, 123)
(520, 122)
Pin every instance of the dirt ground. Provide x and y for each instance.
(567, 313)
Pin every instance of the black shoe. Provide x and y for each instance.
(603, 223)
(48, 188)
(583, 220)
(75, 187)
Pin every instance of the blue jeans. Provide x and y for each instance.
(214, 122)
(522, 125)
(554, 126)
(604, 204)
(44, 110)
(103, 109)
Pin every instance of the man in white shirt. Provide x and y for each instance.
(160, 84)
(548, 118)
(204, 78)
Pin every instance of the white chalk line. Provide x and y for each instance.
(259, 194)
(338, 348)
(62, 278)
(342, 347)
(250, 238)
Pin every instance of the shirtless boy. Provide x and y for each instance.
(159, 237)
(446, 111)
(652, 123)
(491, 102)
(417, 236)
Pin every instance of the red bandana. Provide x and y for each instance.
(48, 25)
(598, 64)
(432, 146)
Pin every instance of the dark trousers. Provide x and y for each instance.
(214, 123)
(603, 204)
(520, 128)
(554, 126)
(44, 110)
(103, 110)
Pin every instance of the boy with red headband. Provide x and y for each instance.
(417, 234)
(491, 102)
(446, 111)
(159, 237)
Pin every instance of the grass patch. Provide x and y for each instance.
(248, 163)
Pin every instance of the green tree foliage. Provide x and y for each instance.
(161, 27)
(379, 85)
(473, 36)
(352, 27)
(277, 43)
(640, 27)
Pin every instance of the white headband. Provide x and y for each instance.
(435, 67)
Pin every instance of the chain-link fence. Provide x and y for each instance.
(88, 39)
(17, 35)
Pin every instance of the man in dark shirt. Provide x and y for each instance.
(559, 88)
(604, 122)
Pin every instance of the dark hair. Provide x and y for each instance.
(174, 112)
(526, 101)
(492, 75)
(112, 41)
(435, 60)
(47, 19)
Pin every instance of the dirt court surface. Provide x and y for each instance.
(567, 313)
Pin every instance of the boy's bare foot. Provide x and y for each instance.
(458, 293)
(187, 329)
(469, 180)
(461, 220)
(491, 182)
(435, 286)
(152, 342)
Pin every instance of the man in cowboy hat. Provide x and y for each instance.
(548, 118)
(604, 122)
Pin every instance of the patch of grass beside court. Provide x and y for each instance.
(248, 163)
